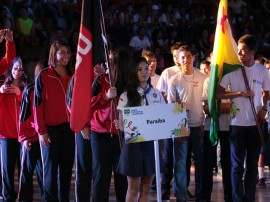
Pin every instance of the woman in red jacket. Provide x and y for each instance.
(10, 98)
(104, 138)
(51, 116)
(30, 149)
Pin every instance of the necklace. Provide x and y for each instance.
(188, 80)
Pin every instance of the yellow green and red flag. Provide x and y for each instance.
(223, 61)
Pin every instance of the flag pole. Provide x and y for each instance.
(157, 164)
(253, 108)
(109, 64)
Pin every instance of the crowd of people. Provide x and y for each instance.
(161, 53)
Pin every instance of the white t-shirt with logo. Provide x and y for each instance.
(188, 89)
(153, 97)
(258, 79)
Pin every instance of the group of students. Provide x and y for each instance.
(37, 114)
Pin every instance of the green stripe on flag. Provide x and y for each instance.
(212, 104)
(227, 68)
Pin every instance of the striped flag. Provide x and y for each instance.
(223, 61)
(90, 52)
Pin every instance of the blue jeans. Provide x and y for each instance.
(245, 142)
(168, 165)
(180, 157)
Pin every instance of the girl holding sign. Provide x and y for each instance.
(137, 160)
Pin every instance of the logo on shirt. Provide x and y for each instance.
(154, 95)
(126, 111)
(258, 82)
(195, 83)
(234, 110)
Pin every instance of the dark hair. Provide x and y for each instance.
(9, 77)
(146, 51)
(134, 98)
(177, 45)
(205, 62)
(41, 64)
(121, 62)
(186, 48)
(250, 41)
(52, 55)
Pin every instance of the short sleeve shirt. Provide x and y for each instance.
(258, 79)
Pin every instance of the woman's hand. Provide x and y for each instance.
(16, 90)
(111, 93)
(44, 140)
(116, 123)
(6, 34)
(9, 35)
(6, 89)
(27, 144)
(10, 89)
(86, 133)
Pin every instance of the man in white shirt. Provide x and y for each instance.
(139, 41)
(187, 87)
(162, 85)
(244, 137)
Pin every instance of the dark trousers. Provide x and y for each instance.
(209, 161)
(30, 161)
(168, 165)
(209, 158)
(245, 142)
(226, 165)
(9, 157)
(106, 153)
(57, 163)
(83, 163)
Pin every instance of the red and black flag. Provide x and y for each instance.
(90, 52)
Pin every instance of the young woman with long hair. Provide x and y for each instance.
(104, 136)
(137, 160)
(52, 118)
(10, 100)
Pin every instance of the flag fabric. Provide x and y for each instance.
(224, 60)
(90, 52)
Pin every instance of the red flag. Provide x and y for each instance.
(90, 52)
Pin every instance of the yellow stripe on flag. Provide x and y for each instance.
(225, 51)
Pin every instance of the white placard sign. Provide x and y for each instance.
(154, 122)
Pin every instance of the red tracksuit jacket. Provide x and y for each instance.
(27, 125)
(10, 55)
(50, 107)
(9, 115)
